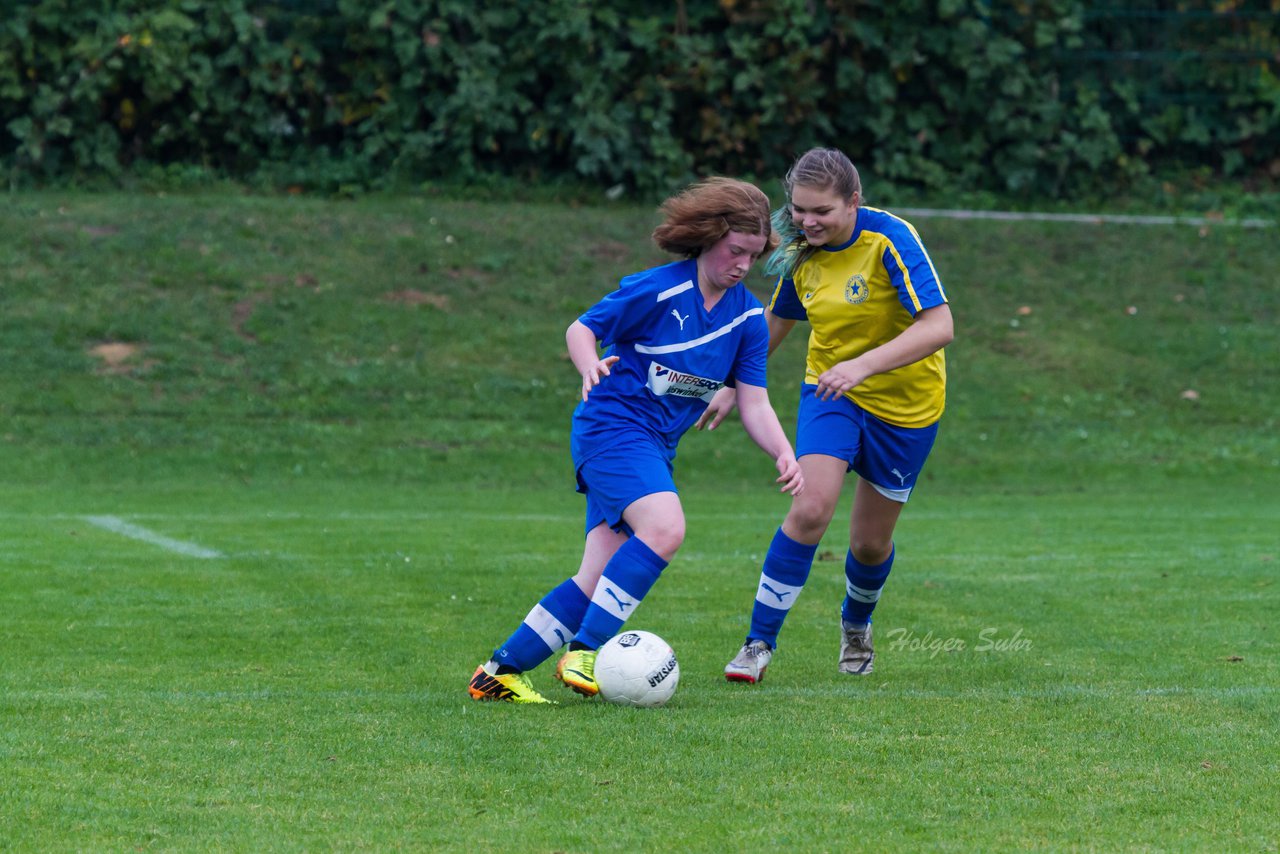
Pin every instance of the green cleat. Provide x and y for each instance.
(577, 669)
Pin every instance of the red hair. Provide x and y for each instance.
(701, 215)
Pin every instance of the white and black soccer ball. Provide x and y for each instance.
(637, 669)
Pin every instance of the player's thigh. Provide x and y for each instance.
(619, 476)
(811, 510)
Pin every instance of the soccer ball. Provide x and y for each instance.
(637, 669)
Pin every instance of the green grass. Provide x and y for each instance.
(388, 485)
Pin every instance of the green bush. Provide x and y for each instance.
(937, 94)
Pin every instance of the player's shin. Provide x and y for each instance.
(550, 625)
(627, 578)
(785, 571)
(863, 585)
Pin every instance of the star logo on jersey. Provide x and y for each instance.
(856, 290)
(677, 316)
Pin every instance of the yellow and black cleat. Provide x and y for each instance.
(504, 687)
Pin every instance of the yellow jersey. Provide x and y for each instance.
(861, 294)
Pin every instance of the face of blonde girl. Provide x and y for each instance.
(729, 259)
(823, 215)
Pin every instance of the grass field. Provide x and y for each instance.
(341, 429)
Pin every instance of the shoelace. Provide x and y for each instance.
(857, 640)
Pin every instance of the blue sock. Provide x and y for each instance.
(627, 578)
(549, 626)
(862, 588)
(786, 569)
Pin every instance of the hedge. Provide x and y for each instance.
(1024, 97)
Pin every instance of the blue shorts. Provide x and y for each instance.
(889, 458)
(632, 466)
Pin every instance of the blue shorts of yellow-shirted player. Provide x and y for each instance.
(888, 457)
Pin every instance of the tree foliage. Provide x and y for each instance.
(940, 94)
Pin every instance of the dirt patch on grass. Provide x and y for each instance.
(409, 296)
(100, 230)
(613, 251)
(118, 357)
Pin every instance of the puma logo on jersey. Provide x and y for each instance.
(677, 316)
(902, 478)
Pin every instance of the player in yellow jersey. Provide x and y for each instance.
(874, 389)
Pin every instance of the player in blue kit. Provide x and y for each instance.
(873, 392)
(675, 335)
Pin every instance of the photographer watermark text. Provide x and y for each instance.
(988, 640)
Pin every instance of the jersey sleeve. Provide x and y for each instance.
(785, 302)
(753, 353)
(621, 314)
(911, 271)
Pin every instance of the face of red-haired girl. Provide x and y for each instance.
(727, 261)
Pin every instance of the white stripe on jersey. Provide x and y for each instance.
(857, 594)
(698, 342)
(554, 633)
(614, 599)
(675, 289)
(775, 594)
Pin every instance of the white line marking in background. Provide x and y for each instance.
(119, 526)
(1092, 219)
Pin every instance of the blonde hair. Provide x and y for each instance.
(820, 168)
(702, 214)
(824, 169)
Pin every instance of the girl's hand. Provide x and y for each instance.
(789, 474)
(721, 405)
(838, 379)
(592, 376)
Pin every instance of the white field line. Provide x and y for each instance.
(1240, 515)
(823, 692)
(1087, 218)
(126, 529)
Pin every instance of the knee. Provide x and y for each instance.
(871, 552)
(808, 519)
(664, 538)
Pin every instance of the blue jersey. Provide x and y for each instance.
(674, 355)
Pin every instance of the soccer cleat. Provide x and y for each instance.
(856, 654)
(504, 687)
(577, 669)
(750, 662)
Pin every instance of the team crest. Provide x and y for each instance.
(856, 290)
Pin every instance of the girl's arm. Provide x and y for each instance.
(931, 330)
(582, 352)
(761, 424)
(726, 398)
